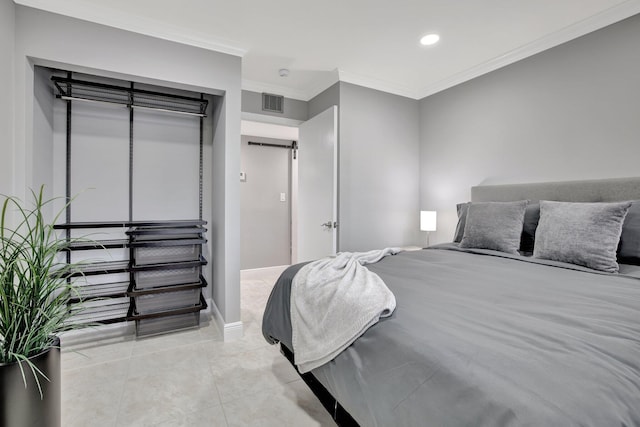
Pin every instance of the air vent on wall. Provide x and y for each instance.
(272, 103)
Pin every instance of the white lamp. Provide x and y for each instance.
(428, 222)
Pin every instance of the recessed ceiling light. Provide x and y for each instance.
(283, 72)
(429, 39)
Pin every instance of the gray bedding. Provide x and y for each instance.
(481, 338)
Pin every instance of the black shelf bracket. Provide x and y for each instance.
(81, 90)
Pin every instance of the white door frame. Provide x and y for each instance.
(276, 127)
(260, 125)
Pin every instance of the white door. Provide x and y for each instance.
(317, 201)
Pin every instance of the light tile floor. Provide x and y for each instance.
(189, 378)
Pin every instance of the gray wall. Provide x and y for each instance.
(43, 132)
(379, 169)
(47, 39)
(293, 108)
(265, 221)
(324, 100)
(7, 30)
(572, 112)
(378, 157)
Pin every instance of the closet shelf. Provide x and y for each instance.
(188, 223)
(164, 268)
(134, 291)
(85, 245)
(102, 267)
(81, 90)
(100, 291)
(134, 315)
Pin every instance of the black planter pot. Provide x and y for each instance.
(23, 407)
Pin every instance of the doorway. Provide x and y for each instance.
(289, 211)
(266, 167)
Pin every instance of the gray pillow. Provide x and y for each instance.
(494, 225)
(585, 234)
(629, 250)
(462, 220)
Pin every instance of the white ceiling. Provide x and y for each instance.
(373, 43)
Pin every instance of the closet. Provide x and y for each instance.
(129, 156)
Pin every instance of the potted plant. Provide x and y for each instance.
(34, 294)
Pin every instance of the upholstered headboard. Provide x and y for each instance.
(600, 190)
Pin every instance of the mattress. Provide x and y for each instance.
(484, 338)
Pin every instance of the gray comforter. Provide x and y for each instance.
(479, 338)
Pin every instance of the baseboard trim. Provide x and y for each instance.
(127, 330)
(233, 331)
(112, 332)
(230, 331)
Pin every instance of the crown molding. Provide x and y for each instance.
(328, 79)
(323, 83)
(145, 26)
(571, 32)
(371, 83)
(588, 25)
(319, 85)
(262, 87)
(90, 12)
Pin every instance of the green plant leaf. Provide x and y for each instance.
(35, 287)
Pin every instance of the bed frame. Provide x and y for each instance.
(341, 417)
(601, 190)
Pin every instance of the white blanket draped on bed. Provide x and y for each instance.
(334, 301)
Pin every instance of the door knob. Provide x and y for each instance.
(328, 225)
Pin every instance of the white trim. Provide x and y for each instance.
(264, 118)
(230, 331)
(588, 25)
(371, 83)
(113, 18)
(294, 205)
(335, 180)
(206, 314)
(326, 81)
(136, 24)
(233, 331)
(215, 314)
(268, 130)
(100, 333)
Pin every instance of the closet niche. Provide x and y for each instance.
(130, 156)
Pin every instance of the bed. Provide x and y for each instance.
(484, 337)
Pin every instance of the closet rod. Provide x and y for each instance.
(124, 89)
(82, 90)
(293, 146)
(97, 101)
(186, 113)
(265, 144)
(140, 107)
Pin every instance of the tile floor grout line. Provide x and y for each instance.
(208, 342)
(226, 420)
(124, 387)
